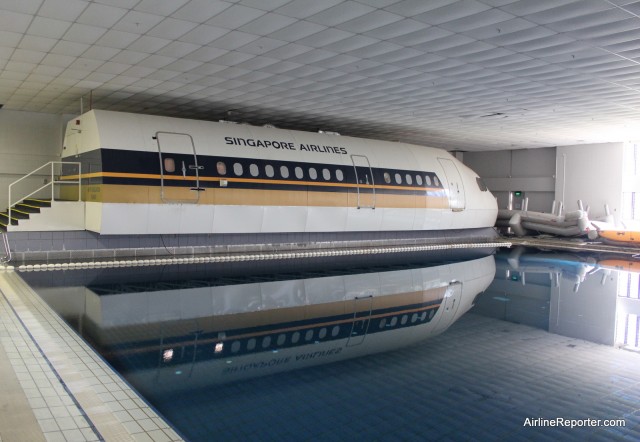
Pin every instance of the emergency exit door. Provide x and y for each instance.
(179, 168)
(457, 200)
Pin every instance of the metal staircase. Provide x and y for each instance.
(21, 211)
(24, 200)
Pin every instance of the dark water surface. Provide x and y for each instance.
(404, 348)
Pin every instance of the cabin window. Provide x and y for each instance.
(295, 337)
(322, 333)
(393, 322)
(235, 347)
(427, 180)
(251, 344)
(281, 339)
(221, 168)
(169, 165)
(237, 169)
(268, 169)
(398, 178)
(313, 174)
(299, 173)
(419, 180)
(339, 175)
(266, 341)
(409, 179)
(284, 171)
(483, 187)
(436, 181)
(335, 330)
(387, 178)
(326, 174)
(253, 170)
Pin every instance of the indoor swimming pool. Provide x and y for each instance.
(516, 345)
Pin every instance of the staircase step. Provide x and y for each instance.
(4, 219)
(18, 214)
(3, 227)
(28, 208)
(37, 202)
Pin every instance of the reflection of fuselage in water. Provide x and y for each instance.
(212, 334)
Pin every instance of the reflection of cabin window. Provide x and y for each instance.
(169, 165)
(326, 174)
(237, 169)
(432, 312)
(436, 181)
(268, 169)
(409, 179)
(427, 180)
(284, 171)
(398, 179)
(308, 335)
(387, 178)
(419, 180)
(299, 173)
(253, 170)
(339, 175)
(221, 168)
(312, 173)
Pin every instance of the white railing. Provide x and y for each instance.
(7, 249)
(52, 182)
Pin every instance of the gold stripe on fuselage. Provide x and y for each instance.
(134, 194)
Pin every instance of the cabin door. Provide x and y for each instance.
(454, 183)
(361, 319)
(366, 192)
(179, 169)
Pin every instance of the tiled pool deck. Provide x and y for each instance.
(54, 387)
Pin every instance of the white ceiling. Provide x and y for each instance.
(458, 74)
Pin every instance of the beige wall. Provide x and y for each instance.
(27, 141)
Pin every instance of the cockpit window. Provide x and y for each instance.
(483, 187)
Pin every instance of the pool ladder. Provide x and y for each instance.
(7, 249)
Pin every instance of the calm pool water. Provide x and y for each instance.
(398, 349)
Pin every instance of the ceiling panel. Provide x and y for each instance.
(458, 74)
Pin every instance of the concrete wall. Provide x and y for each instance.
(27, 141)
(528, 170)
(592, 173)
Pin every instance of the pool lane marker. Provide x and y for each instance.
(248, 257)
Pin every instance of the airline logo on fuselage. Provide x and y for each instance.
(284, 145)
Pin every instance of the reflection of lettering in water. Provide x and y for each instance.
(274, 362)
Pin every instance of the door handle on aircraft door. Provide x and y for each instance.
(194, 167)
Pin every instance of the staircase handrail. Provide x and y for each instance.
(7, 249)
(52, 182)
